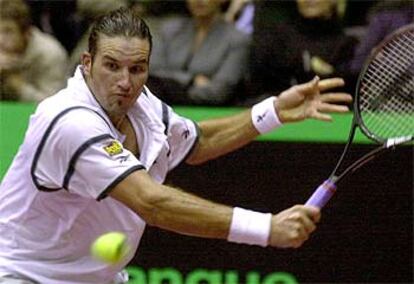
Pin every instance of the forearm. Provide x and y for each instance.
(30, 93)
(45, 86)
(187, 214)
(223, 135)
(172, 209)
(184, 213)
(23, 90)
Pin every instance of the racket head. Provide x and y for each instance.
(384, 97)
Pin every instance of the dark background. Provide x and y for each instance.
(366, 231)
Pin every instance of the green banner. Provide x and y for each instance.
(171, 275)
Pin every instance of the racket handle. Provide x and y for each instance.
(322, 194)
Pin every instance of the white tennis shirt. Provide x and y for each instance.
(53, 201)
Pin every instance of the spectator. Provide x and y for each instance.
(384, 18)
(199, 60)
(310, 42)
(32, 63)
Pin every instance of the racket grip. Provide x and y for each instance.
(322, 194)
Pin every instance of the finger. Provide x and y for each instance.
(327, 84)
(322, 117)
(298, 236)
(304, 219)
(308, 225)
(330, 108)
(309, 219)
(336, 97)
(308, 86)
(313, 212)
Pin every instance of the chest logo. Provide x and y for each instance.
(113, 148)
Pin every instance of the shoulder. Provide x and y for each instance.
(63, 112)
(46, 44)
(77, 125)
(171, 26)
(80, 118)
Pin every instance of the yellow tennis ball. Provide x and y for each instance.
(111, 247)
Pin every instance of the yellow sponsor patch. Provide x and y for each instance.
(113, 148)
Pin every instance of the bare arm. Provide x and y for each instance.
(174, 210)
(221, 136)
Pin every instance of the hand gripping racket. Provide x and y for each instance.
(383, 105)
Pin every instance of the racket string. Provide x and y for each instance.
(385, 69)
(386, 95)
(377, 79)
(396, 51)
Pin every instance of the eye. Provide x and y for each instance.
(136, 69)
(111, 66)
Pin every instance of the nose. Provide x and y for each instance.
(125, 80)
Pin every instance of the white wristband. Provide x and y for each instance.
(264, 116)
(250, 227)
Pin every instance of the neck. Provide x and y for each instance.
(117, 120)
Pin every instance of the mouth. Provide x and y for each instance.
(124, 96)
(124, 99)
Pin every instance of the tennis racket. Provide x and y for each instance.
(383, 106)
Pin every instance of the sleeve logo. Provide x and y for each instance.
(113, 148)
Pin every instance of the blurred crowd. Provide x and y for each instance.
(205, 52)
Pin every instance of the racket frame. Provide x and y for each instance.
(327, 189)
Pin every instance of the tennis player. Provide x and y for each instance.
(95, 156)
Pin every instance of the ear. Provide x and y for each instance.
(86, 60)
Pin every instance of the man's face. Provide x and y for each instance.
(118, 72)
(12, 38)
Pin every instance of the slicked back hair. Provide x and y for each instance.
(121, 22)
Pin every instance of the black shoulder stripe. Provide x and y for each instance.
(165, 117)
(43, 142)
(76, 155)
(192, 148)
(144, 90)
(48, 189)
(119, 179)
